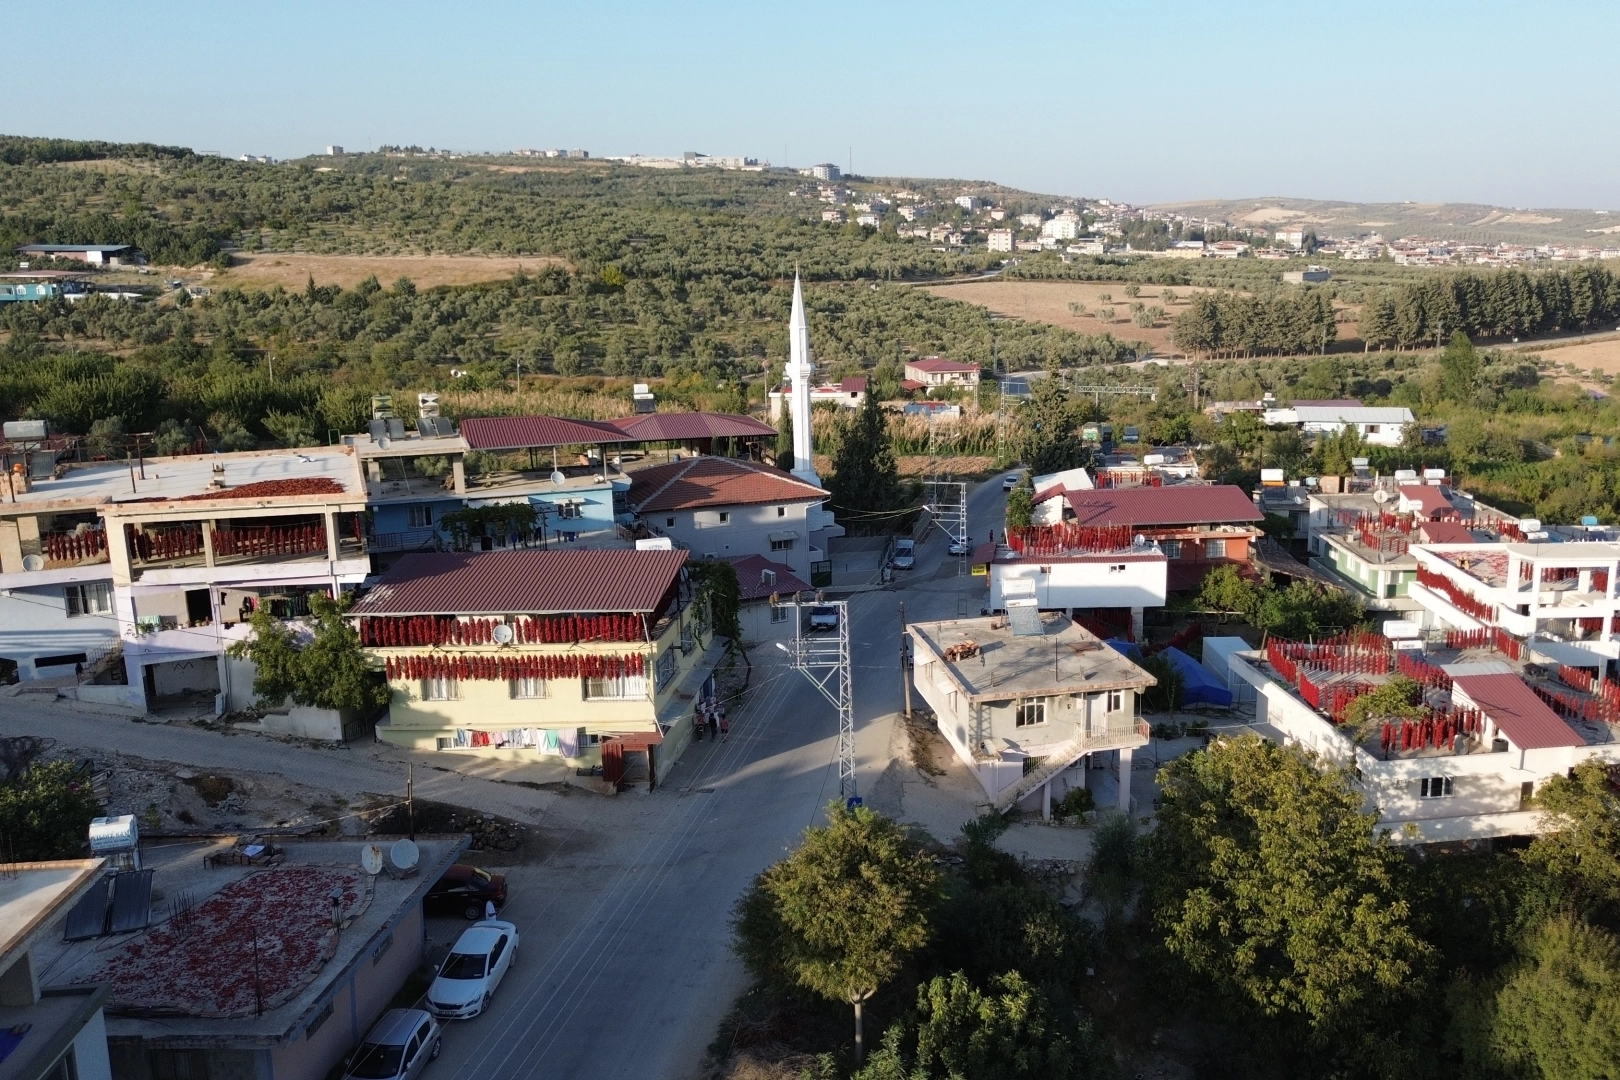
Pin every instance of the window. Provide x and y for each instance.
(666, 667)
(1030, 713)
(669, 523)
(782, 545)
(572, 510)
(1116, 568)
(725, 517)
(94, 598)
(441, 689)
(779, 613)
(781, 511)
(1372, 429)
(629, 688)
(1116, 701)
(421, 517)
(528, 688)
(1434, 787)
(1171, 548)
(1214, 549)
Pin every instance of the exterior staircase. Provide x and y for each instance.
(1065, 754)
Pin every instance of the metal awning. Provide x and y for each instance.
(785, 534)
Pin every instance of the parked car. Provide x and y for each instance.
(964, 546)
(464, 890)
(1011, 481)
(399, 1047)
(468, 977)
(823, 618)
(905, 555)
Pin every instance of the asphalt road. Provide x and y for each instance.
(626, 966)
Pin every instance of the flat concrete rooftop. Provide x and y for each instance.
(1064, 659)
(103, 482)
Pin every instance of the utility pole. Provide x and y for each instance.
(825, 662)
(905, 665)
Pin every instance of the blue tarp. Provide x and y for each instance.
(1199, 684)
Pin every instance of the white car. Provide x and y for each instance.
(963, 546)
(469, 975)
(1010, 481)
(399, 1047)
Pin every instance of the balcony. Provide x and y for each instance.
(237, 542)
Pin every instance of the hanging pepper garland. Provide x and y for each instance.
(527, 630)
(486, 668)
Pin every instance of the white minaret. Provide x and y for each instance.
(800, 371)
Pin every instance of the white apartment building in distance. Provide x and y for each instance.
(1001, 239)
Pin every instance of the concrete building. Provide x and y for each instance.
(58, 1033)
(1001, 239)
(1062, 227)
(287, 952)
(90, 254)
(967, 202)
(719, 507)
(848, 393)
(1311, 275)
(937, 371)
(1007, 690)
(1105, 590)
(1497, 724)
(826, 171)
(574, 656)
(1196, 526)
(1377, 426)
(761, 580)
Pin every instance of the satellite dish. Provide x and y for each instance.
(503, 634)
(371, 859)
(557, 477)
(33, 562)
(1380, 496)
(405, 854)
(384, 443)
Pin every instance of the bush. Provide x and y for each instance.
(45, 814)
(1075, 803)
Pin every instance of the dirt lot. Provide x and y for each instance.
(1602, 355)
(1048, 302)
(292, 271)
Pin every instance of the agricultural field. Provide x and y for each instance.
(293, 270)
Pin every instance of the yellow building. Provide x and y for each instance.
(576, 656)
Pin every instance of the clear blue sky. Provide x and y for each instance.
(1511, 104)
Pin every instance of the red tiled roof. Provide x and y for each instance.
(522, 432)
(1445, 532)
(753, 584)
(684, 427)
(1429, 499)
(1183, 504)
(526, 581)
(940, 364)
(715, 481)
(1520, 715)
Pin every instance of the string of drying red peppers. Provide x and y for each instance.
(528, 630)
(507, 668)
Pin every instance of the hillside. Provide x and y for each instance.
(1470, 222)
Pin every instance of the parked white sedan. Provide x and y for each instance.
(469, 975)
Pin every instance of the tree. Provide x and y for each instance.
(1021, 502)
(840, 915)
(1401, 698)
(1226, 590)
(1286, 450)
(1049, 442)
(1009, 1032)
(865, 478)
(784, 439)
(1306, 609)
(1580, 851)
(1377, 321)
(717, 587)
(325, 669)
(45, 813)
(1558, 1014)
(1267, 879)
(1459, 368)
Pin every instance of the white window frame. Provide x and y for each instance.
(669, 523)
(779, 613)
(781, 511)
(1114, 701)
(87, 599)
(1171, 548)
(1214, 549)
(527, 689)
(572, 510)
(1030, 712)
(782, 545)
(441, 689)
(725, 517)
(666, 667)
(420, 516)
(628, 688)
(1435, 787)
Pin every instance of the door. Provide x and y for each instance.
(500, 958)
(613, 762)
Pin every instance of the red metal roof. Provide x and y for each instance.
(1429, 499)
(522, 432)
(1182, 504)
(854, 384)
(715, 481)
(526, 581)
(1445, 532)
(753, 583)
(691, 426)
(1524, 718)
(940, 364)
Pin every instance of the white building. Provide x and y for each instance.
(1001, 239)
(1029, 221)
(1009, 689)
(826, 171)
(1378, 426)
(847, 393)
(1113, 588)
(966, 202)
(870, 221)
(1061, 227)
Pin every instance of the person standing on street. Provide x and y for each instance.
(725, 725)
